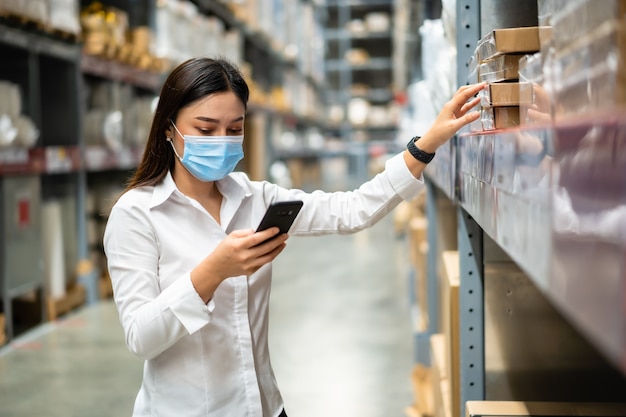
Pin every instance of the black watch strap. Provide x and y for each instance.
(417, 153)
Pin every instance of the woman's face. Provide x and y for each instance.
(220, 114)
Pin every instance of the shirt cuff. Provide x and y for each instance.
(186, 304)
(401, 179)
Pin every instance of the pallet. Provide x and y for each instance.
(75, 297)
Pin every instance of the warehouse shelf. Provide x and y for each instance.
(553, 201)
(358, 3)
(372, 64)
(38, 43)
(339, 34)
(117, 71)
(101, 158)
(535, 215)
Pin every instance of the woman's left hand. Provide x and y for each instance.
(453, 116)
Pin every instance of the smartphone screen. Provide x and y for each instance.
(280, 214)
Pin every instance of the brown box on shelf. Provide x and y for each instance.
(500, 117)
(450, 282)
(501, 68)
(543, 409)
(502, 95)
(422, 381)
(442, 400)
(508, 41)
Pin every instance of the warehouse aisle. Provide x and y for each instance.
(340, 340)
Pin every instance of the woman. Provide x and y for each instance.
(191, 279)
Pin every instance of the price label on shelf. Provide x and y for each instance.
(58, 159)
(14, 156)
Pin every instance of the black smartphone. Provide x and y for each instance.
(280, 214)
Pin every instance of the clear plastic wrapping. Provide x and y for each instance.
(535, 100)
(499, 117)
(591, 73)
(500, 94)
(500, 68)
(576, 18)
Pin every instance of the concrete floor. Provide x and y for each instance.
(340, 338)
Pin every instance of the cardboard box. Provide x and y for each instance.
(422, 381)
(450, 315)
(501, 68)
(500, 117)
(544, 409)
(441, 384)
(508, 41)
(501, 94)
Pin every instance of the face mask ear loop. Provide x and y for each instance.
(173, 124)
(173, 148)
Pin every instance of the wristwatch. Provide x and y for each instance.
(417, 153)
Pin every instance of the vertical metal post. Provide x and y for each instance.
(471, 308)
(431, 271)
(467, 34)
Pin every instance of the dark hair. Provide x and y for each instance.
(190, 81)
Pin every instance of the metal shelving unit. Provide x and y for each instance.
(548, 202)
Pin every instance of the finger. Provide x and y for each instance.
(477, 87)
(260, 237)
(466, 119)
(270, 256)
(470, 105)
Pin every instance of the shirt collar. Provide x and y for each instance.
(233, 187)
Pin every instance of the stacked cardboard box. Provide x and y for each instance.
(449, 294)
(496, 61)
(442, 401)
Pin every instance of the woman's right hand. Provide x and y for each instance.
(242, 252)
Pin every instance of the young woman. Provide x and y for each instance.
(191, 278)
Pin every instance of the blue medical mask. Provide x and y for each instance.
(210, 158)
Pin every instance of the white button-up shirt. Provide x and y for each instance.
(212, 359)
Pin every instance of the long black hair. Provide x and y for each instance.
(190, 81)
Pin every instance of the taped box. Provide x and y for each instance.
(508, 41)
(500, 117)
(500, 68)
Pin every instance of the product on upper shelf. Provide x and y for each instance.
(500, 68)
(104, 29)
(377, 22)
(357, 56)
(63, 16)
(508, 41)
(501, 94)
(16, 129)
(500, 117)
